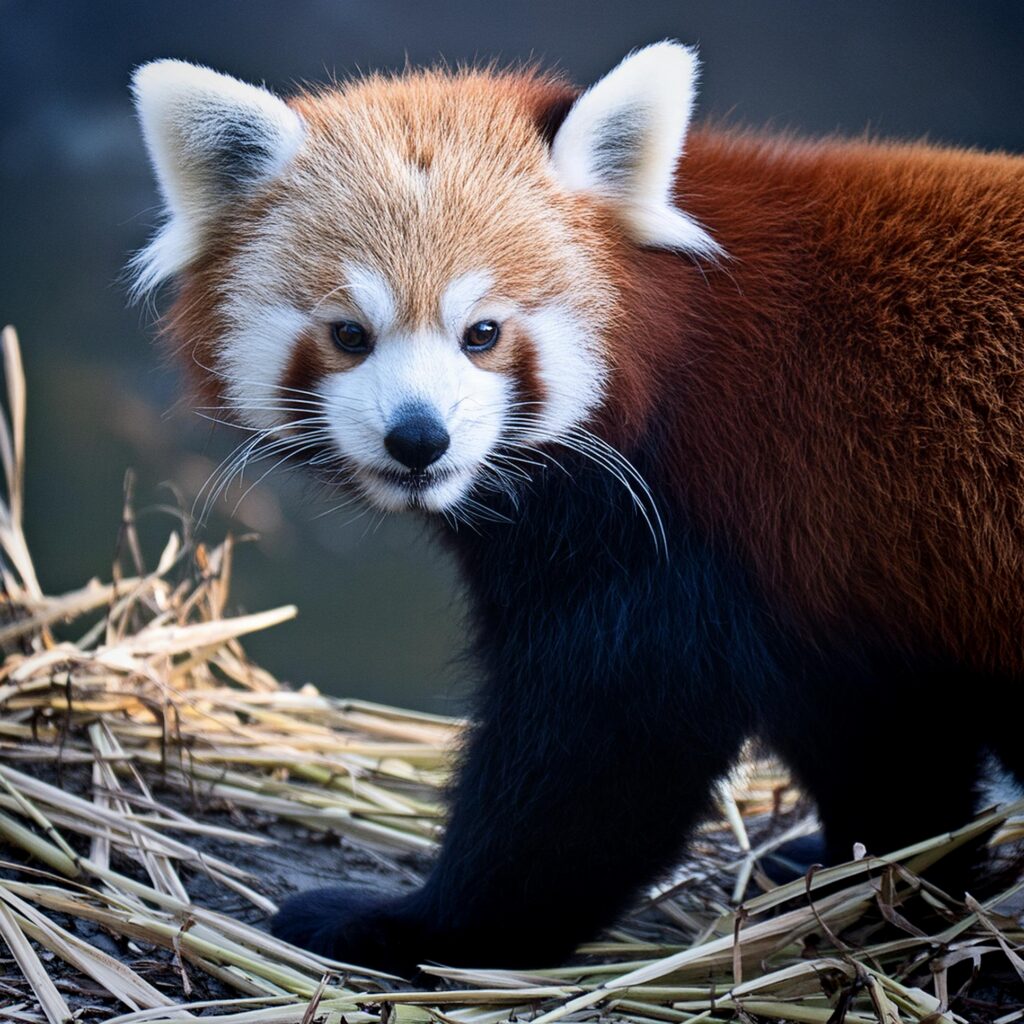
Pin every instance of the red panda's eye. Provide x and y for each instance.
(351, 337)
(483, 335)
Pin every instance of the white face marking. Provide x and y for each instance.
(569, 366)
(373, 296)
(461, 298)
(255, 357)
(426, 367)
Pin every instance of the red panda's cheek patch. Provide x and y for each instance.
(253, 356)
(559, 367)
(515, 357)
(307, 365)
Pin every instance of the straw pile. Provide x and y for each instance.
(148, 765)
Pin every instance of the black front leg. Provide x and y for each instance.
(609, 709)
(577, 790)
(567, 807)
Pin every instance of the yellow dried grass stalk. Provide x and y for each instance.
(50, 1000)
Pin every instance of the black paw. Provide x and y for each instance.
(352, 925)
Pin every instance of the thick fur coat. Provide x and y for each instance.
(747, 459)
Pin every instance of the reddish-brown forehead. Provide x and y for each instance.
(427, 177)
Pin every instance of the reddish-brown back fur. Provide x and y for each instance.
(844, 396)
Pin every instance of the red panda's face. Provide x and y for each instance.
(426, 281)
(403, 280)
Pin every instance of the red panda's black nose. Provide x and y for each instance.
(417, 437)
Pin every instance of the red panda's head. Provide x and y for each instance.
(411, 280)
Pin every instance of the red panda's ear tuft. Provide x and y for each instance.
(211, 138)
(623, 138)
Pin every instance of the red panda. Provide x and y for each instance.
(725, 431)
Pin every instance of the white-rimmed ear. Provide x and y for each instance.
(211, 138)
(623, 138)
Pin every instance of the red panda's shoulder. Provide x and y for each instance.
(840, 391)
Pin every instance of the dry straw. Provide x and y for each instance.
(156, 687)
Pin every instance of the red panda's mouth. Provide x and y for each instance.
(411, 480)
(431, 490)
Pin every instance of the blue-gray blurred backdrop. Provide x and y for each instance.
(379, 607)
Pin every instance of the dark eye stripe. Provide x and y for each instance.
(529, 385)
(308, 364)
(481, 336)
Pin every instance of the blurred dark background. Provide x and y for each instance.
(379, 605)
